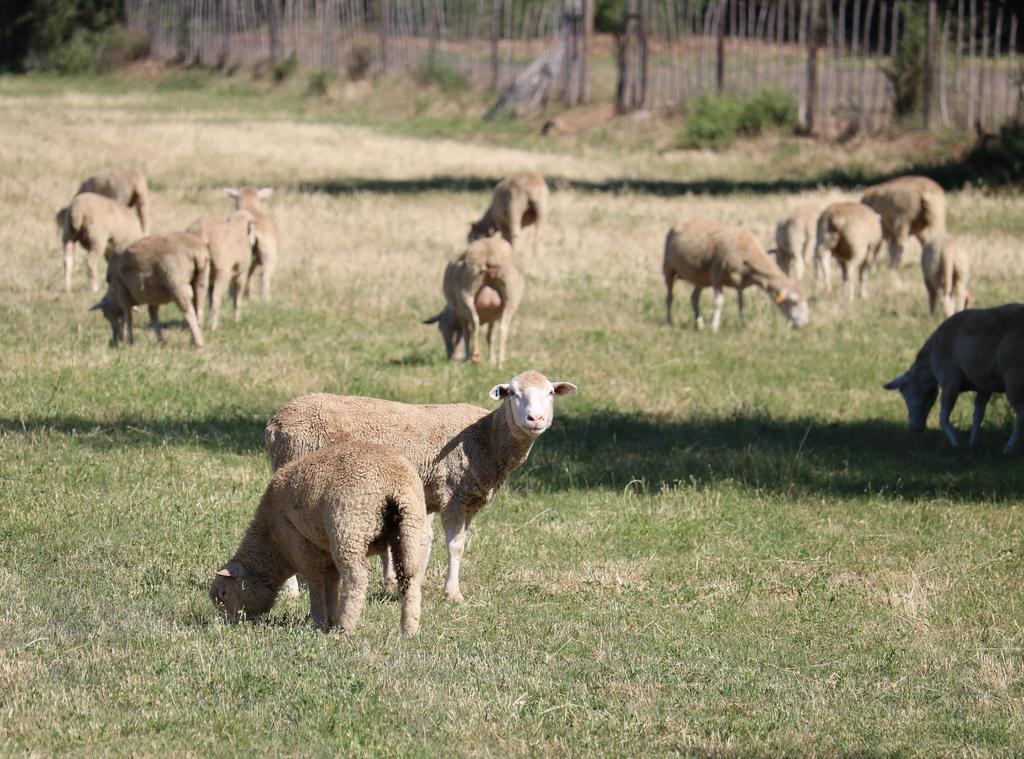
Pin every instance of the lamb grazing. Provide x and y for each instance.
(101, 226)
(321, 517)
(462, 453)
(518, 201)
(794, 238)
(126, 186)
(980, 350)
(908, 206)
(265, 252)
(852, 233)
(155, 270)
(710, 254)
(946, 268)
(472, 279)
(230, 244)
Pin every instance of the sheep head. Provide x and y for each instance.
(529, 398)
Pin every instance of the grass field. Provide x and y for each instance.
(726, 545)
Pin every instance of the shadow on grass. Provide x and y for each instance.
(612, 450)
(232, 432)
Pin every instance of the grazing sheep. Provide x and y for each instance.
(101, 226)
(852, 233)
(518, 201)
(155, 270)
(230, 243)
(322, 516)
(462, 453)
(980, 350)
(485, 269)
(908, 206)
(794, 238)
(946, 268)
(488, 309)
(265, 251)
(126, 186)
(710, 254)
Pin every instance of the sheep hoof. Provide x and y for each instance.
(455, 597)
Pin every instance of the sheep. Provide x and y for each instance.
(908, 205)
(101, 226)
(126, 186)
(230, 243)
(794, 240)
(980, 350)
(710, 254)
(485, 269)
(265, 252)
(852, 233)
(946, 269)
(463, 453)
(321, 516)
(518, 201)
(155, 270)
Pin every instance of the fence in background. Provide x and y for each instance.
(663, 52)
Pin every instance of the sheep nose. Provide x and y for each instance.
(532, 418)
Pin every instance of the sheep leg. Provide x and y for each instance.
(235, 292)
(698, 320)
(800, 264)
(331, 582)
(429, 542)
(719, 302)
(932, 297)
(216, 294)
(492, 359)
(825, 264)
(92, 262)
(950, 392)
(318, 602)
(387, 567)
(199, 284)
(269, 263)
(739, 304)
(847, 284)
(411, 589)
(1015, 395)
(863, 279)
(154, 322)
(183, 301)
(69, 263)
(127, 315)
(291, 586)
(472, 324)
(355, 578)
(980, 402)
(455, 536)
(670, 279)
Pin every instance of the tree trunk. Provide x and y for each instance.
(384, 28)
(720, 48)
(495, 38)
(944, 69)
(435, 32)
(929, 64)
(813, 43)
(586, 86)
(275, 31)
(970, 64)
(224, 21)
(983, 93)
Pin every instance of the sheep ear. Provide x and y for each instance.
(897, 383)
(231, 569)
(433, 319)
(265, 192)
(780, 298)
(563, 388)
(231, 192)
(500, 392)
(97, 307)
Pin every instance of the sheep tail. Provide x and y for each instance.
(412, 517)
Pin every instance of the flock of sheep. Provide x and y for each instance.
(356, 477)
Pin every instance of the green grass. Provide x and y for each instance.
(726, 544)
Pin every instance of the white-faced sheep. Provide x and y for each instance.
(321, 517)
(487, 268)
(852, 234)
(462, 453)
(978, 349)
(794, 238)
(152, 271)
(710, 254)
(518, 201)
(946, 268)
(266, 249)
(908, 206)
(101, 226)
(230, 243)
(126, 186)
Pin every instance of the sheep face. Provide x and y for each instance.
(480, 229)
(919, 391)
(233, 593)
(450, 328)
(794, 307)
(114, 316)
(530, 399)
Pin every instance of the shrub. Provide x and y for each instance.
(284, 69)
(714, 121)
(997, 159)
(906, 70)
(360, 59)
(320, 83)
(444, 76)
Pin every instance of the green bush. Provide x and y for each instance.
(360, 60)
(442, 75)
(715, 121)
(284, 69)
(997, 159)
(906, 70)
(320, 83)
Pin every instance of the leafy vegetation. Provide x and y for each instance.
(716, 121)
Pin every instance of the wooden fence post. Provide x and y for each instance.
(720, 47)
(495, 37)
(813, 43)
(384, 28)
(273, 22)
(588, 49)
